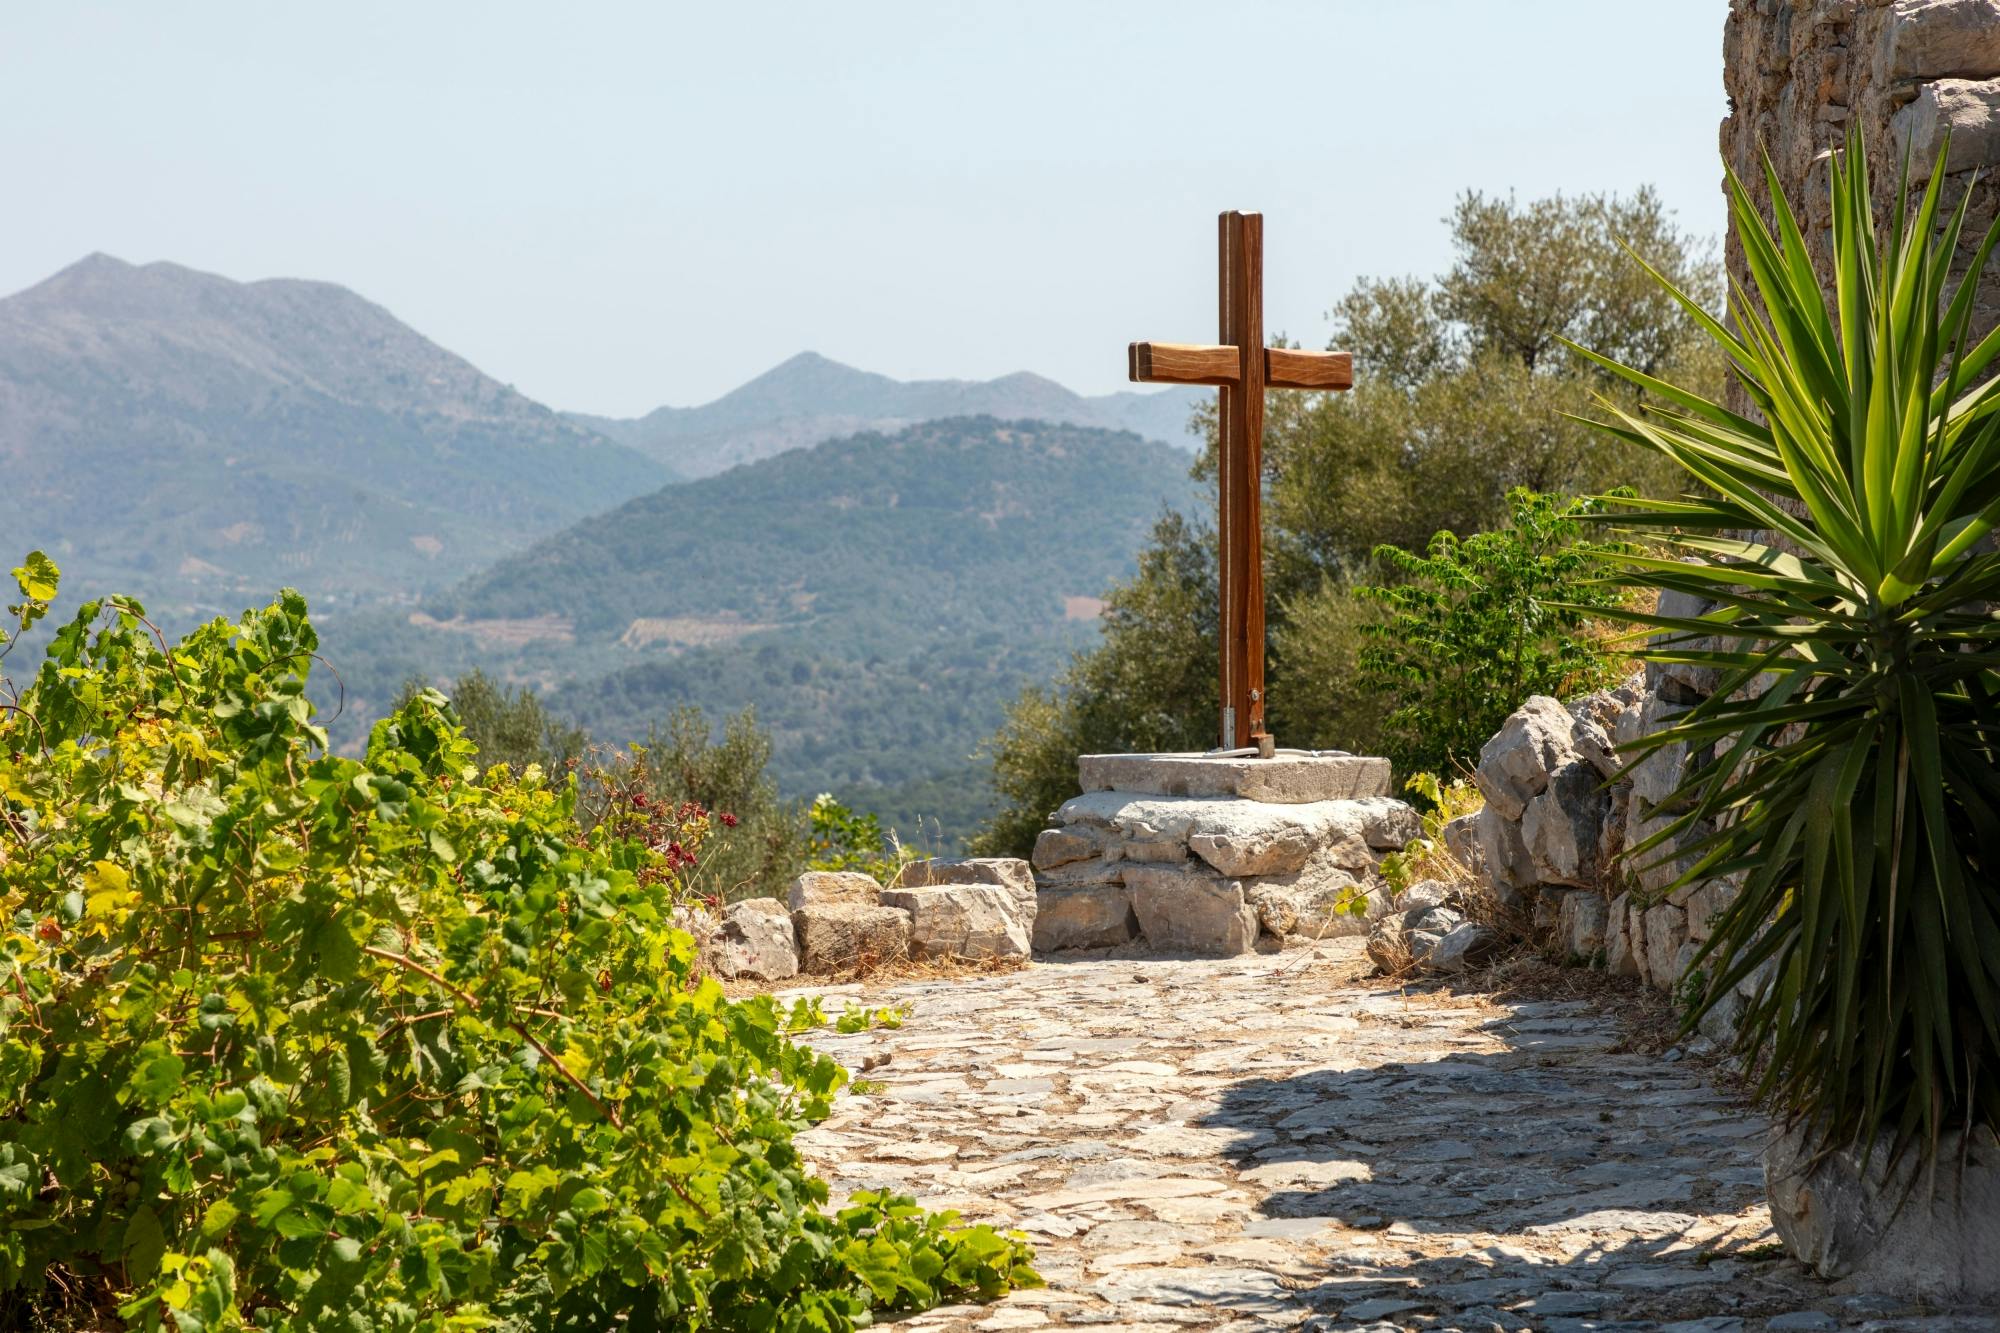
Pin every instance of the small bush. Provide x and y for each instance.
(291, 1040)
(508, 724)
(1482, 623)
(844, 839)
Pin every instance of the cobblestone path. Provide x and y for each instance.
(1264, 1142)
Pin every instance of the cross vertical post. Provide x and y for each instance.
(1239, 468)
(1241, 367)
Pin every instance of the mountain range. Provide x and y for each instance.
(196, 441)
(811, 398)
(876, 566)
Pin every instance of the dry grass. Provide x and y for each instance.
(895, 971)
(881, 973)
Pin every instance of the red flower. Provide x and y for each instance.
(728, 820)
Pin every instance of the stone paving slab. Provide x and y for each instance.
(1264, 1143)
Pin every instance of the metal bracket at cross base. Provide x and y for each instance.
(1241, 368)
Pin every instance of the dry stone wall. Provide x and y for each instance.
(1558, 833)
(1570, 807)
(843, 921)
(1799, 73)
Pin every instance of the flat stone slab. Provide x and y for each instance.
(1293, 777)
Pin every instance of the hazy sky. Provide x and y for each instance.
(615, 206)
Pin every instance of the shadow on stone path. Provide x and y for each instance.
(1254, 1143)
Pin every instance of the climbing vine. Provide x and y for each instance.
(293, 1040)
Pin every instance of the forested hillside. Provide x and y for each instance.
(877, 599)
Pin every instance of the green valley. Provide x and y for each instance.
(877, 599)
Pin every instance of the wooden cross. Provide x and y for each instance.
(1242, 368)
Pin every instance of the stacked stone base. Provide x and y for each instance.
(1192, 855)
(842, 921)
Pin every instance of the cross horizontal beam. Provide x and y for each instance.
(1182, 363)
(1201, 363)
(1291, 368)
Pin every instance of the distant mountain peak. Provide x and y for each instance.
(810, 397)
(809, 359)
(98, 261)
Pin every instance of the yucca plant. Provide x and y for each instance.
(1844, 768)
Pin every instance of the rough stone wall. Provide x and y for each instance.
(1799, 73)
(1566, 813)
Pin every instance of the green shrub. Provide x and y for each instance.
(685, 760)
(1319, 697)
(508, 724)
(844, 839)
(1850, 746)
(1481, 623)
(297, 1041)
(1426, 856)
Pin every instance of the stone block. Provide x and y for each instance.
(1077, 873)
(1433, 920)
(1595, 747)
(1966, 109)
(1583, 923)
(823, 888)
(1158, 851)
(1884, 1228)
(1561, 824)
(757, 940)
(1310, 906)
(1293, 777)
(704, 926)
(1004, 872)
(1624, 947)
(1656, 776)
(1720, 1020)
(1186, 911)
(1690, 680)
(1138, 827)
(1660, 865)
(1388, 947)
(1508, 867)
(1387, 824)
(1935, 39)
(1517, 763)
(964, 921)
(1261, 851)
(1085, 916)
(1435, 939)
(1666, 931)
(1425, 894)
(1464, 945)
(1704, 901)
(1057, 847)
(837, 936)
(1461, 839)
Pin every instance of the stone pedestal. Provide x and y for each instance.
(1193, 854)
